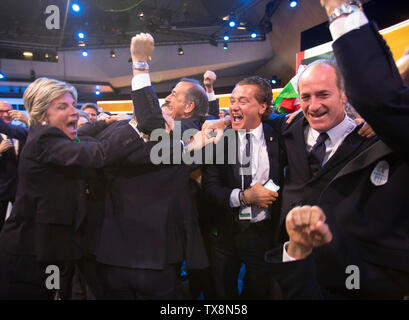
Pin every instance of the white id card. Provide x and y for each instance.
(270, 185)
(245, 213)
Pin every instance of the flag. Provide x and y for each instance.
(287, 101)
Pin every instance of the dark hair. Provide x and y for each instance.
(197, 95)
(264, 93)
(90, 105)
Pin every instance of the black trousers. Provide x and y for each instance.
(245, 246)
(119, 283)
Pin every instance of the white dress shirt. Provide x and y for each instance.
(260, 169)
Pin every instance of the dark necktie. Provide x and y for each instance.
(248, 174)
(317, 153)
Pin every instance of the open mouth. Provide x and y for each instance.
(72, 126)
(237, 118)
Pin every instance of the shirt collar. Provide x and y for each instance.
(338, 132)
(257, 132)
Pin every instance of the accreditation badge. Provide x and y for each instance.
(380, 173)
(245, 213)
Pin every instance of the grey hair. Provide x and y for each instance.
(39, 95)
(197, 95)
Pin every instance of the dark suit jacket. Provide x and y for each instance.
(219, 180)
(373, 85)
(149, 219)
(9, 161)
(368, 222)
(149, 114)
(48, 206)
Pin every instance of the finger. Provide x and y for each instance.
(320, 214)
(323, 230)
(315, 216)
(297, 218)
(290, 220)
(304, 214)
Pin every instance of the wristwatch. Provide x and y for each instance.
(140, 65)
(345, 9)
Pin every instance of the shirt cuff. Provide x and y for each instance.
(286, 256)
(345, 24)
(234, 198)
(134, 124)
(211, 96)
(140, 81)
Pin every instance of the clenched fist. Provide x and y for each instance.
(306, 229)
(209, 78)
(142, 46)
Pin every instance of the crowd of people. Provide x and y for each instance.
(313, 205)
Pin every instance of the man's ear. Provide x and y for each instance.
(189, 107)
(263, 108)
(344, 98)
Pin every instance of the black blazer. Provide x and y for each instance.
(220, 179)
(368, 222)
(149, 219)
(9, 161)
(49, 201)
(373, 85)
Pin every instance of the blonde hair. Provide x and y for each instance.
(39, 95)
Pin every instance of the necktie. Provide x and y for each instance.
(247, 167)
(317, 153)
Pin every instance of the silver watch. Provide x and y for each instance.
(140, 65)
(345, 8)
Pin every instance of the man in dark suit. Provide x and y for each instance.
(12, 140)
(355, 181)
(247, 221)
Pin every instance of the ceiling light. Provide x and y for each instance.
(75, 7)
(84, 53)
(225, 46)
(2, 76)
(226, 37)
(28, 54)
(180, 51)
(81, 35)
(293, 3)
(113, 55)
(253, 35)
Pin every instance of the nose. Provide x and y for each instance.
(314, 104)
(168, 98)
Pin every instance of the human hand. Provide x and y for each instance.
(169, 122)
(306, 229)
(18, 115)
(366, 131)
(5, 145)
(209, 77)
(290, 117)
(331, 5)
(199, 140)
(217, 125)
(259, 196)
(142, 45)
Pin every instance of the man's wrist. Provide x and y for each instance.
(298, 252)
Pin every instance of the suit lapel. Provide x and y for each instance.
(271, 151)
(349, 146)
(296, 148)
(236, 166)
